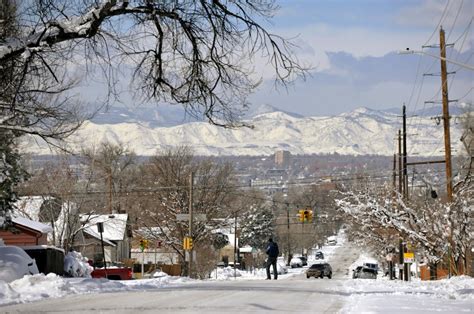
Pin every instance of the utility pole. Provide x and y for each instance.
(405, 173)
(302, 238)
(109, 182)
(394, 174)
(401, 190)
(447, 143)
(191, 183)
(405, 182)
(447, 137)
(288, 232)
(400, 170)
(235, 245)
(400, 258)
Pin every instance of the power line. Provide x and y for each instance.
(439, 23)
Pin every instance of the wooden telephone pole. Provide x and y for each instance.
(400, 170)
(447, 136)
(405, 170)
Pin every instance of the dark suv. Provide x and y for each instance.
(304, 260)
(319, 255)
(319, 270)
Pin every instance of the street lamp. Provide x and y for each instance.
(408, 51)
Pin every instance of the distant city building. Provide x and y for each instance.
(282, 158)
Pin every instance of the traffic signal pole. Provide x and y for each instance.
(191, 181)
(302, 236)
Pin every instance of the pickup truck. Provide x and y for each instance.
(113, 273)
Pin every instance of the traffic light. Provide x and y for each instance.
(187, 243)
(301, 215)
(143, 244)
(305, 215)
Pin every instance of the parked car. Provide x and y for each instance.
(304, 260)
(319, 255)
(319, 271)
(15, 263)
(296, 262)
(373, 266)
(363, 272)
(332, 240)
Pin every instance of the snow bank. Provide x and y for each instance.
(38, 287)
(461, 287)
(453, 295)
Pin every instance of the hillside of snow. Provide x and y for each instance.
(362, 131)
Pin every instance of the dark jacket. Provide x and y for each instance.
(272, 249)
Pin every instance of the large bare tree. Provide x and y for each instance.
(110, 167)
(167, 182)
(193, 53)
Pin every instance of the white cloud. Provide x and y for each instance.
(357, 41)
(429, 13)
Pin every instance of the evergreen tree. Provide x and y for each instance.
(257, 227)
(10, 170)
(11, 174)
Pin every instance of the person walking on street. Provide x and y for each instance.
(272, 252)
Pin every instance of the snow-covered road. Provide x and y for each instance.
(291, 293)
(285, 296)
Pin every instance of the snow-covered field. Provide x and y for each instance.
(455, 295)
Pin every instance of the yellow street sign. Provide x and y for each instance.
(409, 257)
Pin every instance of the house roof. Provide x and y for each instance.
(247, 249)
(29, 206)
(38, 226)
(115, 226)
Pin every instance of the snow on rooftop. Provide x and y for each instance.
(29, 206)
(35, 225)
(115, 226)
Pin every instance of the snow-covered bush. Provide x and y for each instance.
(75, 265)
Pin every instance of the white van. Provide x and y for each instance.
(332, 240)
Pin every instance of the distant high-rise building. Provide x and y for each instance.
(282, 158)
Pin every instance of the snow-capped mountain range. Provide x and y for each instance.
(359, 132)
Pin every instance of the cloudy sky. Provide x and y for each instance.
(353, 46)
(352, 49)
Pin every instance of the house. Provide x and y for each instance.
(156, 252)
(26, 232)
(116, 237)
(60, 215)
